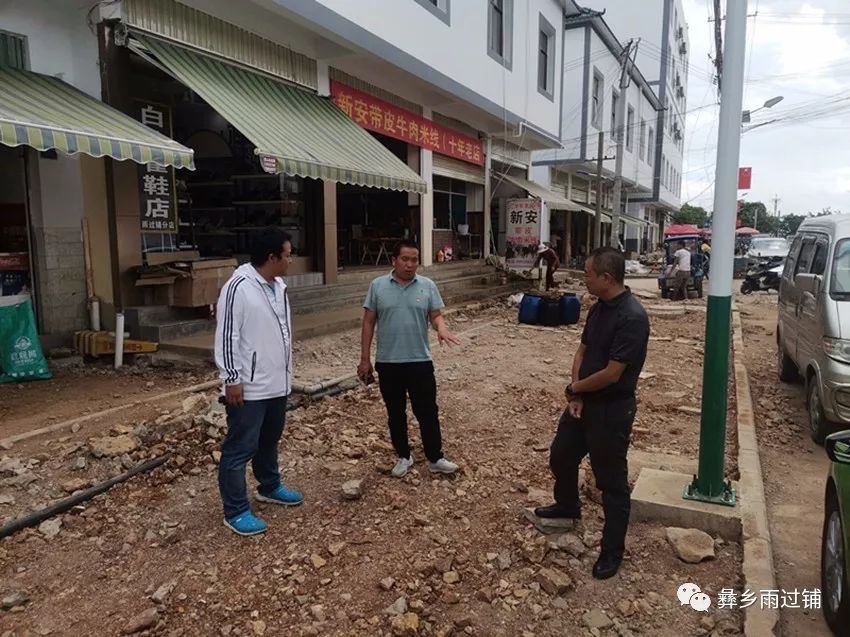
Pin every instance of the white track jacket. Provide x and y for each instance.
(253, 336)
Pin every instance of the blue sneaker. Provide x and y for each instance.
(246, 524)
(281, 495)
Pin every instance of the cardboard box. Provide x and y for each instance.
(203, 283)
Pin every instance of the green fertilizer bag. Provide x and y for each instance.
(21, 358)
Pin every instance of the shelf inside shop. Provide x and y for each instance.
(243, 177)
(261, 202)
(215, 209)
(208, 184)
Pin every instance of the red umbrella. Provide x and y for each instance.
(681, 229)
(746, 231)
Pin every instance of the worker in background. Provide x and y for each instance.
(547, 254)
(681, 270)
(705, 249)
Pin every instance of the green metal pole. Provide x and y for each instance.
(709, 485)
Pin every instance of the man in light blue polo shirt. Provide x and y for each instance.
(402, 305)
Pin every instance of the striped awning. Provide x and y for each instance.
(45, 113)
(307, 135)
(552, 199)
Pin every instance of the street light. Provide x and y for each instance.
(773, 101)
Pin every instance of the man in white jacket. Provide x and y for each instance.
(253, 351)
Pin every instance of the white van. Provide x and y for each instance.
(813, 332)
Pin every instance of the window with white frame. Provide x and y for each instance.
(440, 8)
(597, 99)
(630, 128)
(13, 50)
(546, 59)
(615, 100)
(650, 145)
(500, 15)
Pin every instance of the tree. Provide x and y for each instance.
(694, 215)
(788, 225)
(766, 223)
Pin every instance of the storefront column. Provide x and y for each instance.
(426, 210)
(568, 237)
(329, 253)
(488, 196)
(542, 176)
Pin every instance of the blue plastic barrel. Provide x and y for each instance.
(550, 312)
(570, 309)
(529, 309)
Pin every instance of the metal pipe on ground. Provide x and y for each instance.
(36, 517)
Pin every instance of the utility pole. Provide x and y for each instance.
(718, 42)
(600, 155)
(776, 201)
(709, 484)
(621, 132)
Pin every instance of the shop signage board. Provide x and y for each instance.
(523, 231)
(387, 119)
(157, 192)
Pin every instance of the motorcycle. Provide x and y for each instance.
(762, 277)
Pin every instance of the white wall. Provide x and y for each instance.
(635, 169)
(58, 40)
(459, 51)
(647, 23)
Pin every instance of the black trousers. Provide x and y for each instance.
(603, 431)
(400, 380)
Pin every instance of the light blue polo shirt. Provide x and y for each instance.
(403, 317)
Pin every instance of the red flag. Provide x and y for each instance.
(745, 177)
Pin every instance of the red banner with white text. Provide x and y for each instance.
(387, 119)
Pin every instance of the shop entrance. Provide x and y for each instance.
(15, 258)
(220, 206)
(371, 221)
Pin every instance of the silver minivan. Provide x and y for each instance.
(813, 332)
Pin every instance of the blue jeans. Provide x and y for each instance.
(253, 433)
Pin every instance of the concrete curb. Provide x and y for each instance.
(755, 536)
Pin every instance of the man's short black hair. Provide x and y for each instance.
(609, 261)
(266, 242)
(403, 244)
(681, 243)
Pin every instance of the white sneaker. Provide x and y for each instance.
(402, 466)
(443, 466)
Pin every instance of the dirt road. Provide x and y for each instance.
(793, 466)
(422, 555)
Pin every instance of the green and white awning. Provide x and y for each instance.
(552, 199)
(48, 114)
(307, 135)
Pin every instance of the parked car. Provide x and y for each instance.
(835, 541)
(770, 249)
(813, 330)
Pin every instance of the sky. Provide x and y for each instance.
(801, 51)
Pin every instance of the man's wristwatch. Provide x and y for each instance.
(570, 390)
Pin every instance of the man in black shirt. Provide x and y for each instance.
(601, 406)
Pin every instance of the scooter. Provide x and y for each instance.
(762, 278)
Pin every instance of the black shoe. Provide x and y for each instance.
(607, 566)
(557, 511)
